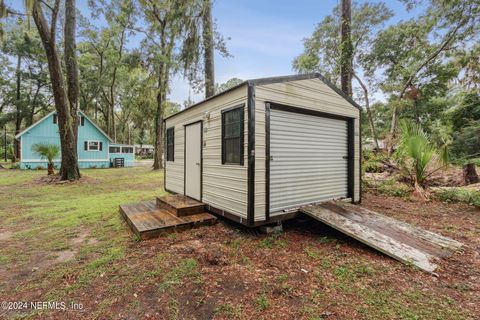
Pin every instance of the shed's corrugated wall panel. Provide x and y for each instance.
(224, 186)
(308, 94)
(308, 164)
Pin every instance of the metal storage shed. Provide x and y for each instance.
(258, 151)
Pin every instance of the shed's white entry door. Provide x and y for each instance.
(193, 160)
(308, 159)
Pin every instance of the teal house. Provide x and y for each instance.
(95, 148)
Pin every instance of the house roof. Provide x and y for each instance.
(81, 112)
(280, 79)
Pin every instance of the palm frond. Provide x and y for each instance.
(416, 154)
(46, 151)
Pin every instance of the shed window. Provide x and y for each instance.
(127, 149)
(93, 145)
(232, 136)
(171, 144)
(114, 149)
(55, 119)
(82, 121)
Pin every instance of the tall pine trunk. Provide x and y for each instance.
(70, 170)
(209, 49)
(346, 48)
(18, 113)
(163, 78)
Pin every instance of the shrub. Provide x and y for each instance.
(47, 151)
(390, 187)
(455, 195)
(372, 161)
(417, 156)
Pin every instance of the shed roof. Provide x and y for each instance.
(279, 79)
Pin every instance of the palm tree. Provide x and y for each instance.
(418, 157)
(47, 151)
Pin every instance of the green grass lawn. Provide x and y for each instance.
(47, 225)
(69, 243)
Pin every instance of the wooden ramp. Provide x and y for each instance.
(397, 239)
(165, 214)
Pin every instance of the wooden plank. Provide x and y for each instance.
(423, 234)
(180, 205)
(373, 238)
(388, 227)
(147, 220)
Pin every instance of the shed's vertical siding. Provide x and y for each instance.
(308, 94)
(224, 186)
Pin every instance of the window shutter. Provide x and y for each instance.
(85, 145)
(101, 145)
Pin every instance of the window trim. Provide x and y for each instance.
(167, 158)
(242, 135)
(93, 150)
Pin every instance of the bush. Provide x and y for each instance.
(390, 187)
(476, 161)
(372, 161)
(455, 195)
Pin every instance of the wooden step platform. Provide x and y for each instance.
(180, 205)
(395, 238)
(148, 220)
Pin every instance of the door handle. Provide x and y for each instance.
(198, 163)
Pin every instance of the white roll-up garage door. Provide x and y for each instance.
(308, 159)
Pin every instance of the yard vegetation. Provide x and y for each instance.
(67, 242)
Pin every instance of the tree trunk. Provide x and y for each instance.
(73, 89)
(346, 48)
(391, 135)
(369, 112)
(470, 175)
(209, 49)
(50, 170)
(70, 170)
(18, 111)
(161, 99)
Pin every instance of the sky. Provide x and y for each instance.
(262, 36)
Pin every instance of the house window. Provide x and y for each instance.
(114, 150)
(171, 144)
(93, 145)
(55, 119)
(232, 136)
(127, 149)
(82, 121)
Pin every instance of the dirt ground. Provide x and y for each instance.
(225, 271)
